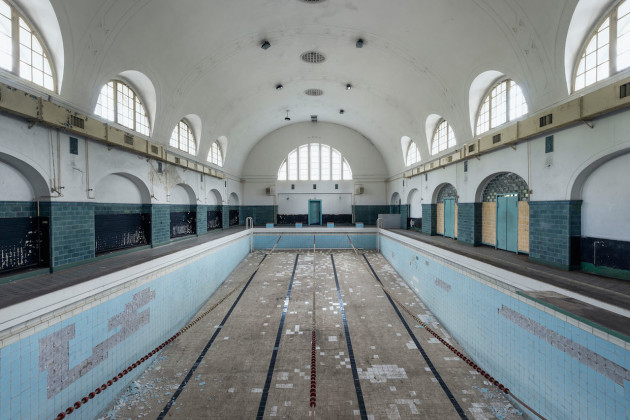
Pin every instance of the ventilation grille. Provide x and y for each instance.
(129, 139)
(314, 92)
(449, 159)
(496, 138)
(313, 57)
(471, 148)
(155, 150)
(314, 118)
(77, 122)
(546, 120)
(624, 90)
(177, 160)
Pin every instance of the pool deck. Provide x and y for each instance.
(611, 291)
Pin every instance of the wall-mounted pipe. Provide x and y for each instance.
(87, 170)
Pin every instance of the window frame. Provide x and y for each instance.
(417, 154)
(136, 99)
(16, 15)
(293, 157)
(220, 158)
(508, 106)
(612, 14)
(179, 139)
(449, 130)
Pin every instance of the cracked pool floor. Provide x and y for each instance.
(395, 380)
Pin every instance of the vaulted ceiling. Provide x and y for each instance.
(419, 58)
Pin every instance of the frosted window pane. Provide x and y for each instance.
(347, 173)
(315, 161)
(303, 163)
(293, 166)
(483, 121)
(518, 105)
(282, 172)
(325, 175)
(175, 137)
(336, 165)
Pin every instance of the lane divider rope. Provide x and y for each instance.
(91, 395)
(458, 353)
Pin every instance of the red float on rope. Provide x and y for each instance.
(60, 416)
(69, 410)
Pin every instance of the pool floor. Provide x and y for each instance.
(228, 365)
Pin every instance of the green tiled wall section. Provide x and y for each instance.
(368, 214)
(469, 223)
(554, 233)
(202, 219)
(71, 232)
(160, 224)
(429, 219)
(260, 214)
(9, 209)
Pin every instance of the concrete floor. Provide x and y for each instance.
(230, 380)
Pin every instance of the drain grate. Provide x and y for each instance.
(314, 92)
(313, 57)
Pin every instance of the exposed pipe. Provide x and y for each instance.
(52, 159)
(87, 169)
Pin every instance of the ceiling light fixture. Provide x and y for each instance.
(287, 118)
(360, 43)
(279, 86)
(348, 86)
(265, 45)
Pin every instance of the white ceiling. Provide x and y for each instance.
(420, 57)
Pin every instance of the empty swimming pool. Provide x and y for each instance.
(252, 357)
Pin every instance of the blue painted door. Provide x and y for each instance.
(507, 222)
(314, 212)
(449, 217)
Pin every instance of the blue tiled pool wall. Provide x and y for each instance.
(557, 368)
(46, 372)
(322, 241)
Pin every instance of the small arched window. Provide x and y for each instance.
(215, 155)
(22, 51)
(119, 103)
(314, 162)
(504, 103)
(183, 138)
(443, 137)
(413, 154)
(607, 50)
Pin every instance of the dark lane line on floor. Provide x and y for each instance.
(272, 363)
(447, 391)
(192, 370)
(353, 364)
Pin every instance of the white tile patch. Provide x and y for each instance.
(332, 338)
(381, 373)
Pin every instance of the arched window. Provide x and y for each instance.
(119, 103)
(22, 52)
(607, 50)
(183, 138)
(314, 162)
(215, 155)
(443, 137)
(504, 103)
(413, 154)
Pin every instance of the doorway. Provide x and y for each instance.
(507, 222)
(315, 212)
(449, 217)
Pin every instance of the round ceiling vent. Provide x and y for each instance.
(313, 57)
(314, 92)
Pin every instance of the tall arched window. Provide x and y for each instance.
(443, 137)
(504, 103)
(22, 51)
(183, 138)
(215, 155)
(119, 103)
(413, 154)
(607, 50)
(314, 162)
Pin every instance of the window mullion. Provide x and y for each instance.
(15, 42)
(115, 87)
(508, 91)
(612, 43)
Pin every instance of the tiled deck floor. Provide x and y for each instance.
(395, 380)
